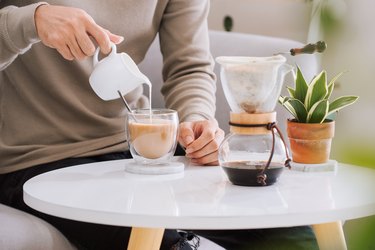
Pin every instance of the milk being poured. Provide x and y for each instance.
(150, 99)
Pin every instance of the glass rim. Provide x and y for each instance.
(238, 60)
(155, 111)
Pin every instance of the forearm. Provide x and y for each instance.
(17, 32)
(188, 66)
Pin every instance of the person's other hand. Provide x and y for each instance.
(68, 30)
(201, 140)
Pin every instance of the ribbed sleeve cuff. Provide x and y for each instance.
(20, 31)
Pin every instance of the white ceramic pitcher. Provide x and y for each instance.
(116, 72)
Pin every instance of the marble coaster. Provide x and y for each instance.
(330, 166)
(171, 168)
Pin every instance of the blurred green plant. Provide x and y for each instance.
(331, 13)
(361, 233)
(357, 152)
(228, 23)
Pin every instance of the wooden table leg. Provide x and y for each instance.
(145, 238)
(330, 236)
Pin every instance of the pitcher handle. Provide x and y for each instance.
(289, 68)
(95, 58)
(292, 70)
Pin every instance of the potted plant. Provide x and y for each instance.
(311, 130)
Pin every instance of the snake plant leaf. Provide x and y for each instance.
(341, 102)
(331, 84)
(281, 99)
(284, 101)
(330, 88)
(301, 86)
(291, 91)
(299, 110)
(317, 90)
(318, 112)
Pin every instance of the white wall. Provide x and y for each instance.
(280, 18)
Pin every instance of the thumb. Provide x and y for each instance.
(186, 134)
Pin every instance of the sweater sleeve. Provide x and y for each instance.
(189, 82)
(17, 32)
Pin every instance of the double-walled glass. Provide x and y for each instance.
(152, 135)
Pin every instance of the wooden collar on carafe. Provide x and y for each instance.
(243, 119)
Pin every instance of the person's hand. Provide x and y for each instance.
(201, 140)
(68, 30)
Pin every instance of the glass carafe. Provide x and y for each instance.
(254, 153)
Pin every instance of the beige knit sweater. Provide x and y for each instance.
(48, 110)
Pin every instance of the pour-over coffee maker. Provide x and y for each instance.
(254, 152)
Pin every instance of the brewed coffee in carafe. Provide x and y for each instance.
(254, 152)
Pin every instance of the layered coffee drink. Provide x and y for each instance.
(152, 138)
(152, 135)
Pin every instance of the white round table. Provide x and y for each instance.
(203, 198)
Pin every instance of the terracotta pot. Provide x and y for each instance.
(310, 142)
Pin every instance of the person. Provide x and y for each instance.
(50, 118)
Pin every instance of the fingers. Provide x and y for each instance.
(212, 146)
(85, 44)
(202, 140)
(208, 160)
(65, 52)
(186, 134)
(205, 132)
(103, 37)
(75, 49)
(100, 36)
(208, 155)
(68, 30)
